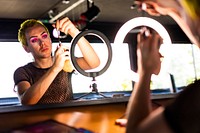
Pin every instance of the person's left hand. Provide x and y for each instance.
(65, 25)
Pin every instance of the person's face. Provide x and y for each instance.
(39, 42)
(174, 9)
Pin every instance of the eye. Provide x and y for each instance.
(44, 36)
(34, 40)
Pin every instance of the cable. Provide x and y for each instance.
(194, 63)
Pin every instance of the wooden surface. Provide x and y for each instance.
(97, 118)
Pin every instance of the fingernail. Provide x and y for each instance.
(144, 6)
(147, 32)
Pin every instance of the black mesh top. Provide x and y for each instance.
(60, 89)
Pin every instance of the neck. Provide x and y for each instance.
(43, 63)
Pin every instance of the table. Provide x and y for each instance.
(95, 115)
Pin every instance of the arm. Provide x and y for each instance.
(90, 59)
(176, 10)
(139, 106)
(30, 95)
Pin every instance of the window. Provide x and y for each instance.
(114, 79)
(183, 64)
(117, 77)
(13, 55)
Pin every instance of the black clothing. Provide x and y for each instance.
(60, 89)
(183, 115)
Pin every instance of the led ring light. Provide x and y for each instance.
(103, 39)
(141, 21)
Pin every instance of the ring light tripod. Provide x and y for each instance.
(91, 74)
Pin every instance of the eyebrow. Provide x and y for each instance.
(36, 36)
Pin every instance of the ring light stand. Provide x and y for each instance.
(105, 40)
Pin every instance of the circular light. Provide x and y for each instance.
(104, 39)
(141, 21)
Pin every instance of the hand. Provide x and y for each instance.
(61, 56)
(66, 26)
(121, 122)
(155, 8)
(148, 52)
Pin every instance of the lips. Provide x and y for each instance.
(44, 49)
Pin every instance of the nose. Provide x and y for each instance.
(41, 42)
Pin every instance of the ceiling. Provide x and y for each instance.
(113, 13)
(118, 11)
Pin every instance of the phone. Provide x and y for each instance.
(49, 126)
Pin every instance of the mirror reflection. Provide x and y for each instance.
(37, 81)
(106, 82)
(47, 78)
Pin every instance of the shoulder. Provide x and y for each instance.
(21, 74)
(23, 68)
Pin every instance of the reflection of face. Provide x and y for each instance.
(174, 9)
(39, 42)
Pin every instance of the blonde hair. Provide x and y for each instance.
(24, 26)
(192, 7)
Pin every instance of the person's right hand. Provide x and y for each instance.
(60, 56)
(148, 52)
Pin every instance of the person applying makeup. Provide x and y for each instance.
(182, 115)
(46, 80)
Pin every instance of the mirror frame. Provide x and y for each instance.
(103, 39)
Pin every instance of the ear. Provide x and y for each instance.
(26, 48)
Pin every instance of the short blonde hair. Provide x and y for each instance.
(192, 7)
(24, 26)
